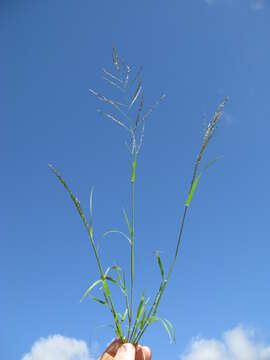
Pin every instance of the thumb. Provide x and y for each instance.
(125, 352)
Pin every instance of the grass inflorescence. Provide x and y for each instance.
(129, 113)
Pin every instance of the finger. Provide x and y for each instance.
(143, 353)
(111, 350)
(125, 352)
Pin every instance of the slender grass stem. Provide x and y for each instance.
(89, 230)
(132, 243)
(163, 285)
(137, 337)
(107, 291)
(105, 285)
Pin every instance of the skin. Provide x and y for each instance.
(118, 351)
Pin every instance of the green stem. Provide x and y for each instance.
(106, 285)
(163, 285)
(137, 337)
(132, 243)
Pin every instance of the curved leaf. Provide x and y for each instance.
(167, 325)
(124, 315)
(91, 287)
(117, 232)
(171, 328)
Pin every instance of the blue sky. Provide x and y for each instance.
(196, 52)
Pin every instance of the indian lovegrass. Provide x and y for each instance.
(129, 114)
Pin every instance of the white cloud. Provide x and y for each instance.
(58, 347)
(236, 344)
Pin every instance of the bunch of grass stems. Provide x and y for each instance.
(137, 321)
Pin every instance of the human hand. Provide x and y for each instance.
(118, 351)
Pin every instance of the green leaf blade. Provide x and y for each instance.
(90, 288)
(160, 264)
(190, 195)
(127, 221)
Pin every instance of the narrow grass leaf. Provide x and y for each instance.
(211, 163)
(133, 170)
(160, 264)
(167, 329)
(198, 178)
(117, 232)
(127, 221)
(124, 316)
(143, 321)
(117, 268)
(142, 308)
(138, 315)
(124, 278)
(140, 305)
(154, 319)
(107, 271)
(106, 299)
(119, 284)
(91, 287)
(111, 279)
(102, 302)
(193, 189)
(171, 329)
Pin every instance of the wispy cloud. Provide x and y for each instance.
(58, 347)
(257, 5)
(236, 344)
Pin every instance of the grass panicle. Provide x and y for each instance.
(129, 113)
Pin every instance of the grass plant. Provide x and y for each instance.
(130, 115)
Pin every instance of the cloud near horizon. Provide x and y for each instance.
(236, 344)
(58, 347)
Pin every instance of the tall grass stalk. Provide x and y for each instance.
(128, 114)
